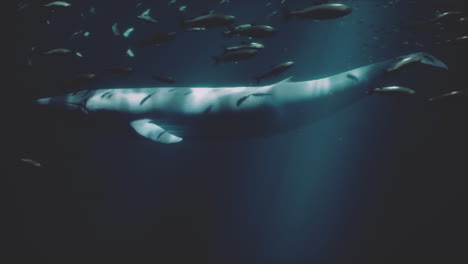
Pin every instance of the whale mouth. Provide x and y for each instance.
(59, 101)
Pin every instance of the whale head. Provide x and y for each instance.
(71, 101)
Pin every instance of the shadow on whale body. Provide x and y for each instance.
(169, 115)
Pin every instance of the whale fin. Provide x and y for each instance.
(150, 130)
(285, 80)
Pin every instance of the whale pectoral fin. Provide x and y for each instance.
(148, 129)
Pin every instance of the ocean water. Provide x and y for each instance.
(381, 181)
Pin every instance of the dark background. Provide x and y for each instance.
(382, 181)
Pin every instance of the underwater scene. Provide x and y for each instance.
(238, 131)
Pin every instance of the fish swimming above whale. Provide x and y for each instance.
(169, 114)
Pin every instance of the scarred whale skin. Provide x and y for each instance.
(169, 114)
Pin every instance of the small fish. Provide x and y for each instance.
(452, 97)
(130, 53)
(31, 162)
(163, 78)
(244, 45)
(236, 56)
(182, 8)
(319, 12)
(29, 61)
(194, 29)
(404, 63)
(172, 2)
(115, 29)
(209, 20)
(76, 34)
(459, 40)
(58, 52)
(394, 91)
(80, 33)
(272, 15)
(119, 70)
(128, 32)
(146, 17)
(21, 6)
(57, 5)
(447, 16)
(252, 31)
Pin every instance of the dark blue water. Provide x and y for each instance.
(383, 181)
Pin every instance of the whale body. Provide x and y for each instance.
(170, 114)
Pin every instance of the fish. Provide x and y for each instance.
(252, 31)
(460, 96)
(209, 20)
(158, 39)
(275, 70)
(128, 32)
(394, 91)
(115, 29)
(58, 52)
(80, 33)
(163, 78)
(31, 162)
(447, 17)
(58, 5)
(319, 12)
(236, 56)
(244, 45)
(146, 17)
(21, 6)
(459, 40)
(195, 29)
(171, 115)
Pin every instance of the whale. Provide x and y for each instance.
(172, 114)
